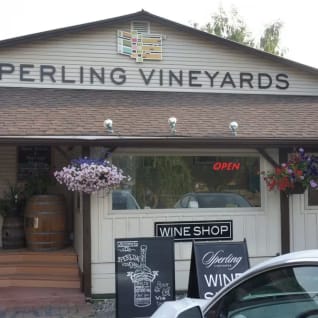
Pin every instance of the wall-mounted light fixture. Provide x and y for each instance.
(233, 127)
(172, 124)
(108, 124)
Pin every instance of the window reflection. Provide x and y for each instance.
(165, 182)
(312, 196)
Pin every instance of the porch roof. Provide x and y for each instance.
(66, 115)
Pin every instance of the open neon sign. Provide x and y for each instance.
(227, 165)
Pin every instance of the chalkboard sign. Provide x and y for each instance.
(214, 265)
(144, 275)
(33, 160)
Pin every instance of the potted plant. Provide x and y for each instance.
(11, 208)
(90, 175)
(294, 176)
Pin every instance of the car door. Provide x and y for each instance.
(289, 292)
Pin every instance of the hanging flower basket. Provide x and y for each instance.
(294, 176)
(90, 175)
(298, 188)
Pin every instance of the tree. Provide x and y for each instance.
(232, 27)
(269, 42)
(229, 27)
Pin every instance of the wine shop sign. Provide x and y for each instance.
(195, 230)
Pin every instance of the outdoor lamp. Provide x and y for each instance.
(172, 124)
(108, 124)
(233, 127)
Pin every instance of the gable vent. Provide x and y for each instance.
(140, 26)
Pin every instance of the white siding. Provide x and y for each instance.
(303, 224)
(260, 227)
(181, 52)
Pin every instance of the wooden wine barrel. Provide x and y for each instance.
(13, 232)
(45, 219)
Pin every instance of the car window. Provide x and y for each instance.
(185, 201)
(123, 200)
(282, 293)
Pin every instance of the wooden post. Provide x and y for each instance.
(87, 268)
(284, 210)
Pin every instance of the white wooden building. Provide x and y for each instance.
(58, 87)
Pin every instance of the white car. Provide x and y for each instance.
(285, 286)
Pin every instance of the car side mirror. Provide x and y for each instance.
(194, 312)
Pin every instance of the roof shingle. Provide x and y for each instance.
(57, 112)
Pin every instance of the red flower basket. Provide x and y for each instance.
(294, 176)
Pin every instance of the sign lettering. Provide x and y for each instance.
(116, 76)
(214, 265)
(201, 230)
(229, 166)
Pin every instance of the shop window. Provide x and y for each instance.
(167, 182)
(312, 197)
(33, 161)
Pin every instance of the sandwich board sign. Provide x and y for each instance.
(145, 276)
(214, 265)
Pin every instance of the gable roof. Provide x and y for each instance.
(58, 115)
(151, 17)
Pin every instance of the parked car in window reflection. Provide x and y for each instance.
(212, 200)
(284, 287)
(124, 200)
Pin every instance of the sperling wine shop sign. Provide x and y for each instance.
(118, 76)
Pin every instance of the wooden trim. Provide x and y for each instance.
(284, 210)
(87, 264)
(110, 151)
(168, 141)
(268, 157)
(62, 152)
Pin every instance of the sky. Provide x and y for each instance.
(299, 17)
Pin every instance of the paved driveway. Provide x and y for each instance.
(105, 308)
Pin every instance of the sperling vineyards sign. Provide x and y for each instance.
(214, 265)
(118, 76)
